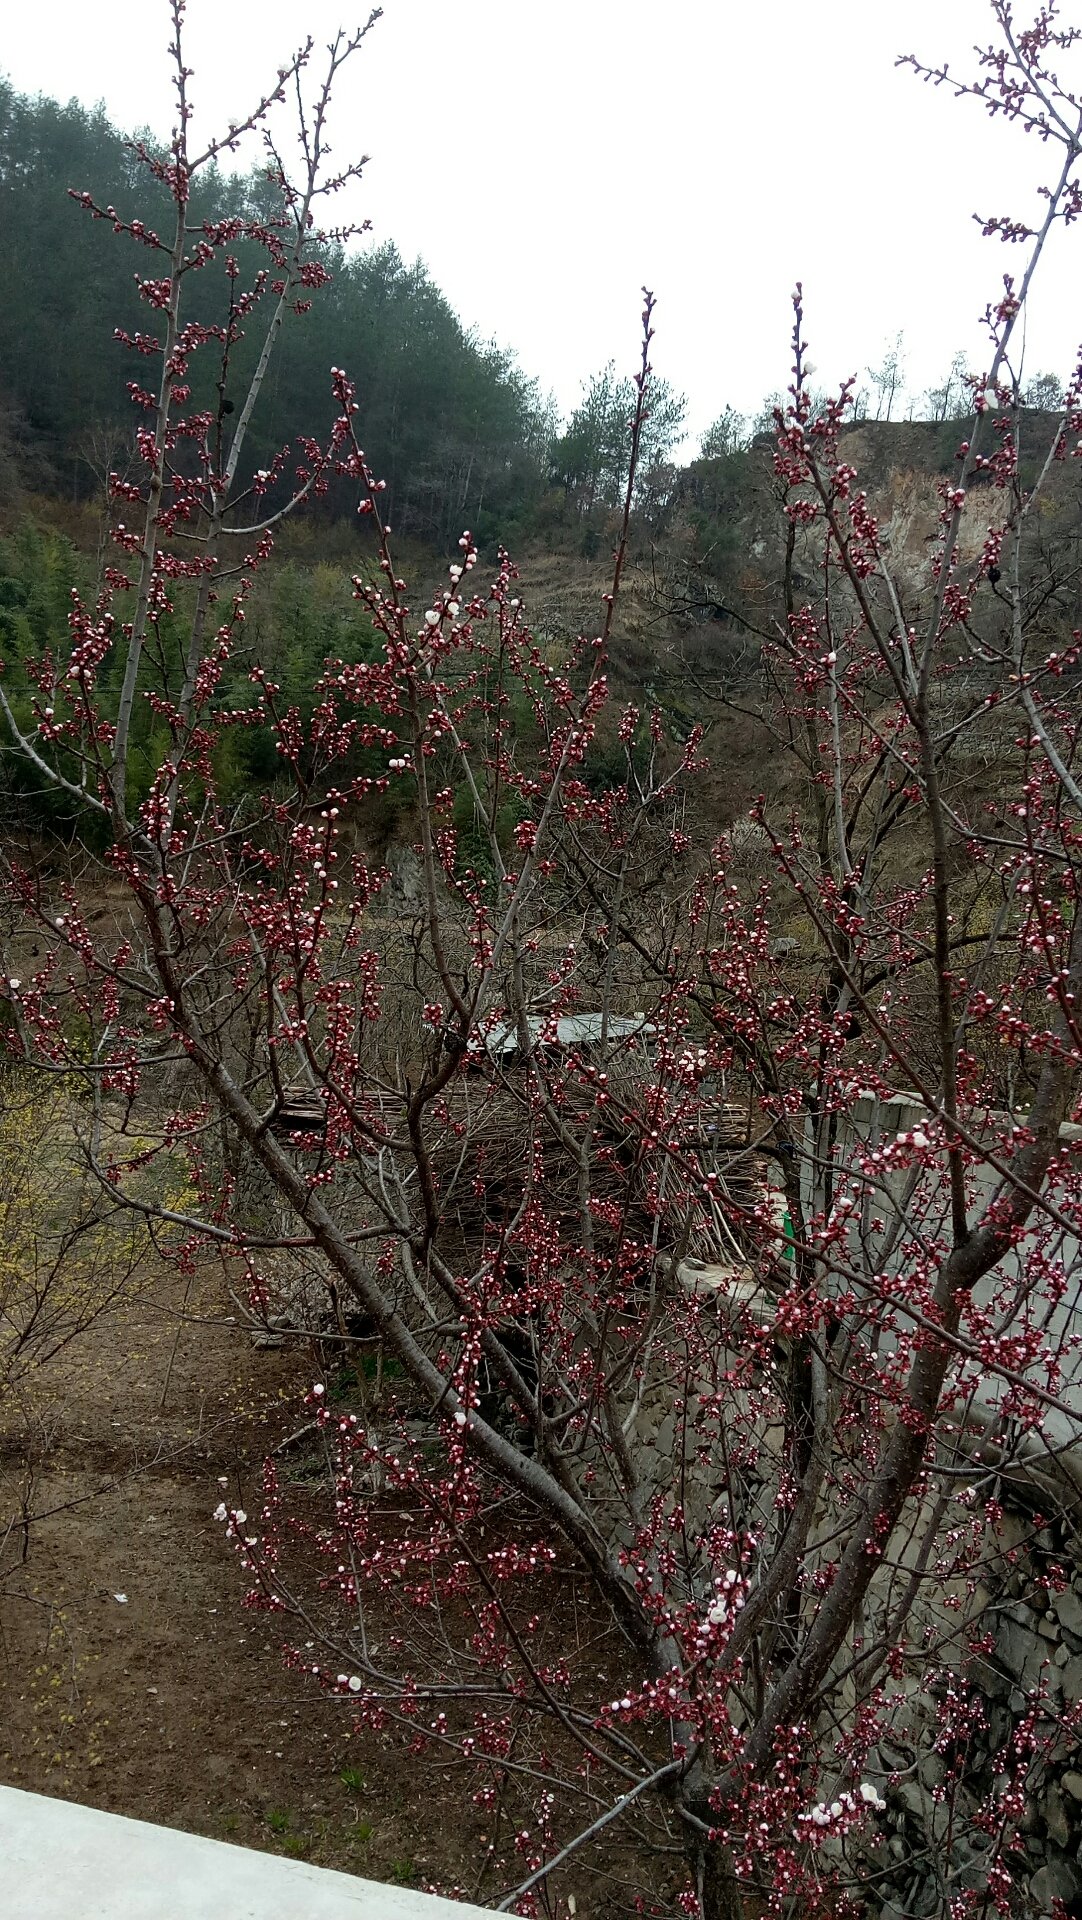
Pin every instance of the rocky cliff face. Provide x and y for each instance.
(725, 523)
(708, 587)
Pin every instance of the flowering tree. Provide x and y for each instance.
(713, 1352)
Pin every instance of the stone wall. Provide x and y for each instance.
(930, 1847)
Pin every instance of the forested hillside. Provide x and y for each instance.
(453, 424)
(461, 434)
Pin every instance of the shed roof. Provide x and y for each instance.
(572, 1030)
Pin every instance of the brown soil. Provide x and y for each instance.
(172, 1704)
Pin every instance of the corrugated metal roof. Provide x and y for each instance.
(572, 1030)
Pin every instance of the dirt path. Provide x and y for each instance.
(130, 1678)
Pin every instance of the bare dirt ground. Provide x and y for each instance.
(130, 1677)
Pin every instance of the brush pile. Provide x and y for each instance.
(493, 1146)
(494, 1141)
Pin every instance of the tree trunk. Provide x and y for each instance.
(710, 1860)
(720, 1897)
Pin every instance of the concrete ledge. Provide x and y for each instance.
(63, 1861)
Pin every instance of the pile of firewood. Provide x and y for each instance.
(491, 1142)
(491, 1145)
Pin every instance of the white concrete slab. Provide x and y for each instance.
(63, 1861)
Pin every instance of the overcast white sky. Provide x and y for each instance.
(547, 157)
